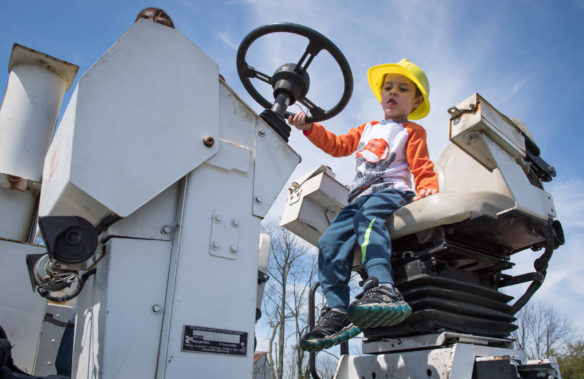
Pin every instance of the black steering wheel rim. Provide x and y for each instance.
(317, 42)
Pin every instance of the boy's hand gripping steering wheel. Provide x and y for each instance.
(290, 81)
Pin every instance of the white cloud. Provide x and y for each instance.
(224, 36)
(515, 88)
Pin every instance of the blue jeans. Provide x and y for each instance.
(361, 221)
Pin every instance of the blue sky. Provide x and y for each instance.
(523, 56)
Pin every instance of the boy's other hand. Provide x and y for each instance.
(299, 122)
(424, 193)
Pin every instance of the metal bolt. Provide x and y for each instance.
(166, 229)
(52, 340)
(217, 219)
(235, 223)
(261, 132)
(215, 245)
(49, 363)
(258, 199)
(208, 141)
(234, 248)
(156, 309)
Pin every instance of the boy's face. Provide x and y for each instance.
(398, 97)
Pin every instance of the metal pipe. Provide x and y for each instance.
(35, 89)
(36, 85)
(311, 307)
(281, 103)
(344, 348)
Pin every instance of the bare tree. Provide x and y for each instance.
(541, 329)
(291, 270)
(524, 322)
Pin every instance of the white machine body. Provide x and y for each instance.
(176, 173)
(35, 89)
(188, 170)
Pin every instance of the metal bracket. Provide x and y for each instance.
(224, 239)
(455, 112)
(262, 277)
(295, 194)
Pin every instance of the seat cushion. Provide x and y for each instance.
(446, 208)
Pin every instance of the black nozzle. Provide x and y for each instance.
(69, 239)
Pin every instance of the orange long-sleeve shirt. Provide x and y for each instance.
(388, 153)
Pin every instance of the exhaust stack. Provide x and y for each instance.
(29, 112)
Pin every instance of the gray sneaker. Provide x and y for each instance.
(378, 306)
(331, 329)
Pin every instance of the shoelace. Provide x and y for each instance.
(328, 314)
(369, 283)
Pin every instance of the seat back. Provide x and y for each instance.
(459, 172)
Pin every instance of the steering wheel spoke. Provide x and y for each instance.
(317, 113)
(251, 72)
(310, 105)
(312, 51)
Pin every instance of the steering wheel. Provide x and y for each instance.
(290, 81)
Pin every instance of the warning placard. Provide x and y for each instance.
(211, 340)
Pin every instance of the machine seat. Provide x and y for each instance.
(486, 220)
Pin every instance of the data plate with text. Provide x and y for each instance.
(211, 340)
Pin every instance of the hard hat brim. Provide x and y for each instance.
(376, 74)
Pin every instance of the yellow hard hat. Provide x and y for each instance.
(376, 75)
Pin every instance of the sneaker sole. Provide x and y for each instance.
(378, 315)
(342, 335)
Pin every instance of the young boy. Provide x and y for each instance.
(388, 152)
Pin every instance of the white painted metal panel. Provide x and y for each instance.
(449, 362)
(313, 203)
(274, 163)
(50, 339)
(530, 199)
(155, 220)
(21, 310)
(236, 118)
(263, 262)
(120, 310)
(16, 214)
(212, 291)
(134, 125)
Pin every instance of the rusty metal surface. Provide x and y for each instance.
(13, 182)
(17, 183)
